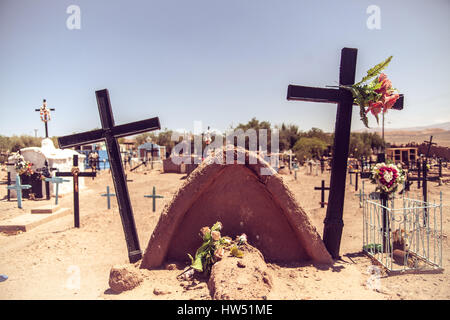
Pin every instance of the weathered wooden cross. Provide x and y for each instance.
(322, 188)
(110, 133)
(45, 115)
(57, 181)
(108, 196)
(429, 143)
(75, 173)
(18, 187)
(154, 196)
(333, 222)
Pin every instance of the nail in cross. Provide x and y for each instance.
(110, 133)
(18, 187)
(333, 221)
(108, 195)
(154, 196)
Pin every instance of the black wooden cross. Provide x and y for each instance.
(322, 194)
(344, 99)
(44, 118)
(429, 143)
(46, 172)
(110, 132)
(9, 181)
(75, 173)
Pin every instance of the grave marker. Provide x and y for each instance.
(344, 99)
(110, 133)
(154, 196)
(57, 181)
(75, 174)
(18, 187)
(322, 188)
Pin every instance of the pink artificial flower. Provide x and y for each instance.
(215, 235)
(381, 77)
(375, 107)
(219, 253)
(389, 101)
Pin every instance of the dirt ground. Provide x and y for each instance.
(57, 261)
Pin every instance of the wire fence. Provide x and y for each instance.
(403, 235)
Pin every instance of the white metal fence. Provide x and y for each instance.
(404, 235)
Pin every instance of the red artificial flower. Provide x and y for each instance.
(375, 107)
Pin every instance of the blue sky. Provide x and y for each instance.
(221, 62)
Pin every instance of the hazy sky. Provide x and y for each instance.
(221, 62)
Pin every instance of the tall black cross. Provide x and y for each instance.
(75, 173)
(110, 133)
(43, 116)
(344, 99)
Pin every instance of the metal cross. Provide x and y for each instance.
(322, 194)
(333, 222)
(75, 173)
(154, 196)
(110, 133)
(44, 110)
(57, 181)
(18, 187)
(108, 195)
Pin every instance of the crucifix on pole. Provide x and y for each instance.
(110, 133)
(333, 223)
(45, 115)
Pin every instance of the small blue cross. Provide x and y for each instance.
(18, 187)
(154, 196)
(107, 194)
(56, 180)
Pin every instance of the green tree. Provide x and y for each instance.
(308, 148)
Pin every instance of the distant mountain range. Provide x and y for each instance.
(443, 126)
(440, 133)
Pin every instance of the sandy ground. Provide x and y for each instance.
(57, 261)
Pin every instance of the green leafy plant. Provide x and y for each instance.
(213, 248)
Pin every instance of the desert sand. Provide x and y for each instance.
(57, 261)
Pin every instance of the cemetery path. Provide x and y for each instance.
(57, 261)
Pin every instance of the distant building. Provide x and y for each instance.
(152, 151)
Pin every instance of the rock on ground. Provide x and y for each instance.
(240, 278)
(123, 278)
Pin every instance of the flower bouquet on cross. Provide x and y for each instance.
(213, 249)
(387, 177)
(374, 93)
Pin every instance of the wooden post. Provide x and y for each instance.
(386, 225)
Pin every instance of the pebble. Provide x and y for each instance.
(158, 292)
